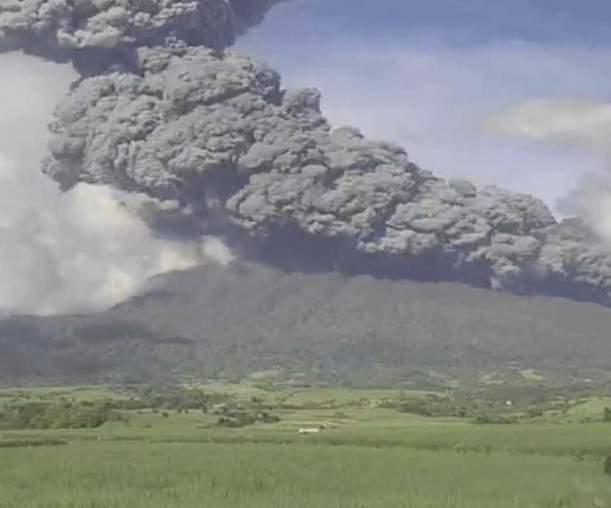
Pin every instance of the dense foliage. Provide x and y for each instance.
(63, 415)
(167, 398)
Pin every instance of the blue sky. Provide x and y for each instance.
(456, 81)
(457, 21)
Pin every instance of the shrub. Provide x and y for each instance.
(485, 419)
(236, 419)
(64, 415)
(23, 443)
(417, 407)
(534, 412)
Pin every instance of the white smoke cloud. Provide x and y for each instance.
(577, 123)
(81, 250)
(584, 123)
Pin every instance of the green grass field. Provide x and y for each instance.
(367, 457)
(114, 474)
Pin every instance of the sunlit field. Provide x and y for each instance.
(141, 474)
(364, 457)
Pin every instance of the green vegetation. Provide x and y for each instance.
(531, 375)
(495, 420)
(61, 415)
(166, 475)
(285, 328)
(230, 446)
(607, 465)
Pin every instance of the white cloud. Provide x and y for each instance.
(74, 251)
(581, 123)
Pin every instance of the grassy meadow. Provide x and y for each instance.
(367, 456)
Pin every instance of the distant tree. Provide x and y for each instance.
(534, 412)
(62, 415)
(242, 418)
(607, 465)
(484, 419)
(607, 414)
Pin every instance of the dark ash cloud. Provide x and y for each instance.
(215, 132)
(95, 34)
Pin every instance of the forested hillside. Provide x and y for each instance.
(231, 321)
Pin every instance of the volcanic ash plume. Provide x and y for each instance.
(81, 250)
(214, 133)
(94, 34)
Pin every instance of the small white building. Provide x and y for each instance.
(311, 430)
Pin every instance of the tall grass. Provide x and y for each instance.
(145, 475)
(375, 458)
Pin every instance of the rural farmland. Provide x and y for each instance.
(182, 456)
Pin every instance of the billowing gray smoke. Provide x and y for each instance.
(81, 250)
(214, 131)
(95, 34)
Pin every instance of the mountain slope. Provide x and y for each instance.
(230, 321)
